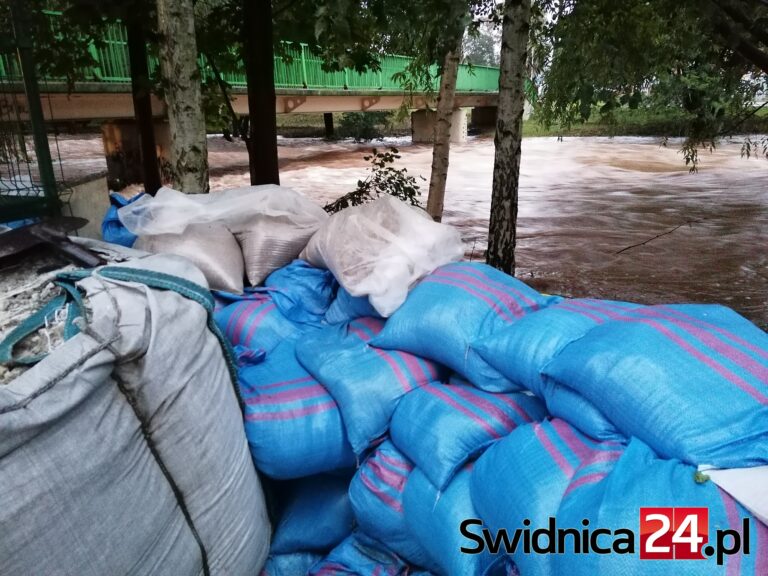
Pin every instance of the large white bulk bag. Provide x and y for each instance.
(123, 452)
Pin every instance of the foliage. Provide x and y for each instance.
(480, 46)
(652, 55)
(363, 126)
(384, 178)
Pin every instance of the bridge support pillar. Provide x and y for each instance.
(122, 148)
(423, 126)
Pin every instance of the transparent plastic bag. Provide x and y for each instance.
(381, 249)
(272, 224)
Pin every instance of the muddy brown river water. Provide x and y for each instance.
(583, 203)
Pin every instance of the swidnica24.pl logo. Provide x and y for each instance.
(665, 534)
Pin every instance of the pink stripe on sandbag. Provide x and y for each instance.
(504, 297)
(395, 463)
(380, 494)
(414, 367)
(571, 307)
(486, 406)
(304, 393)
(435, 391)
(602, 309)
(723, 348)
(468, 269)
(727, 333)
(290, 414)
(583, 480)
(375, 325)
(733, 378)
(556, 455)
(393, 479)
(256, 321)
(283, 383)
(331, 569)
(385, 355)
(493, 305)
(574, 443)
(238, 310)
(602, 456)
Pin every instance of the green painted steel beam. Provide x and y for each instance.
(299, 69)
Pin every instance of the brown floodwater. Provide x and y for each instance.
(583, 203)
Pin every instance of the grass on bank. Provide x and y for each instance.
(625, 123)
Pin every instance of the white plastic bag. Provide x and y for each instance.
(381, 249)
(271, 223)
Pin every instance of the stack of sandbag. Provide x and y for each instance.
(249, 231)
(477, 397)
(122, 451)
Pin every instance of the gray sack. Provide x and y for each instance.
(123, 452)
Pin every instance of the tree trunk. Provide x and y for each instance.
(178, 64)
(258, 55)
(441, 147)
(142, 106)
(502, 231)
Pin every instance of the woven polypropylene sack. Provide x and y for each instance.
(442, 426)
(293, 424)
(358, 555)
(366, 383)
(315, 515)
(639, 479)
(434, 519)
(521, 351)
(253, 321)
(301, 292)
(525, 476)
(290, 564)
(122, 452)
(346, 307)
(689, 380)
(381, 249)
(210, 247)
(376, 495)
(451, 308)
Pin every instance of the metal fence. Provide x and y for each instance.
(27, 182)
(298, 67)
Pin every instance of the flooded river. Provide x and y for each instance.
(583, 203)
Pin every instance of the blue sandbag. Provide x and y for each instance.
(522, 350)
(440, 427)
(252, 320)
(296, 564)
(315, 516)
(453, 307)
(526, 475)
(112, 229)
(367, 383)
(346, 307)
(301, 292)
(376, 495)
(358, 555)
(640, 479)
(434, 519)
(293, 425)
(689, 380)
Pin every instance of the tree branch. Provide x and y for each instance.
(689, 222)
(737, 42)
(748, 23)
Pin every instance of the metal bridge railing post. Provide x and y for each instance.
(32, 90)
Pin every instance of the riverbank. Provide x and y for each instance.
(624, 123)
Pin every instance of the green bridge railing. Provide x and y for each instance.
(299, 69)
